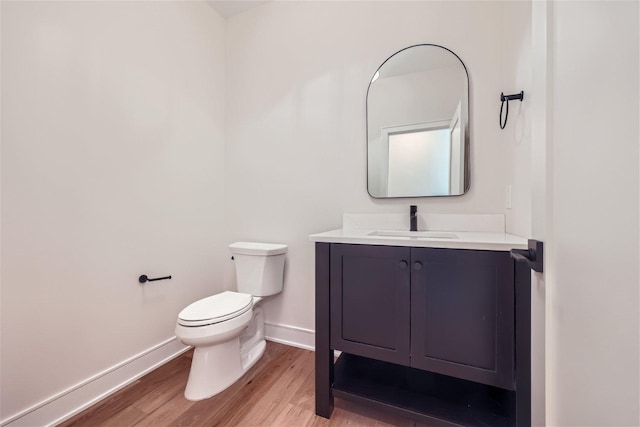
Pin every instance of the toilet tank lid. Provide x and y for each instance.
(251, 248)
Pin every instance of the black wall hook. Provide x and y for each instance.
(144, 278)
(505, 99)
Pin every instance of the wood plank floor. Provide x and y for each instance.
(277, 391)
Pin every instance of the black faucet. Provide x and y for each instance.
(413, 216)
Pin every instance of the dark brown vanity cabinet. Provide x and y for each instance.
(462, 306)
(425, 332)
(442, 310)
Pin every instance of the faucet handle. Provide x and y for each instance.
(413, 218)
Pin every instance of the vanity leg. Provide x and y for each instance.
(523, 345)
(324, 353)
(324, 397)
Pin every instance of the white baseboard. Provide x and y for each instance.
(75, 399)
(290, 335)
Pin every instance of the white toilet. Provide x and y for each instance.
(227, 329)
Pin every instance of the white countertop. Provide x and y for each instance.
(480, 240)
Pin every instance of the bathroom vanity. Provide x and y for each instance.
(434, 326)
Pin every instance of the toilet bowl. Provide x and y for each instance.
(227, 329)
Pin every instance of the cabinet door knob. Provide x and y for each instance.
(403, 264)
(417, 266)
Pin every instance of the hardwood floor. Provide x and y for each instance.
(277, 391)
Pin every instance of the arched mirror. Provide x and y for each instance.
(417, 125)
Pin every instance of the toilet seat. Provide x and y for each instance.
(215, 309)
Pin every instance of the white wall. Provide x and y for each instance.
(112, 166)
(296, 148)
(593, 282)
(517, 69)
(540, 115)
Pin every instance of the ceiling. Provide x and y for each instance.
(228, 8)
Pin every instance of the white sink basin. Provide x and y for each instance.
(415, 234)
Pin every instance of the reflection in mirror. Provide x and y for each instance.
(417, 125)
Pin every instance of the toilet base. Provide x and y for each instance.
(214, 368)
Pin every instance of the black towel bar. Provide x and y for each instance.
(533, 256)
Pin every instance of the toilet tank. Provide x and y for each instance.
(259, 267)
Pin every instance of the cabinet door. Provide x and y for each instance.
(462, 305)
(370, 293)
